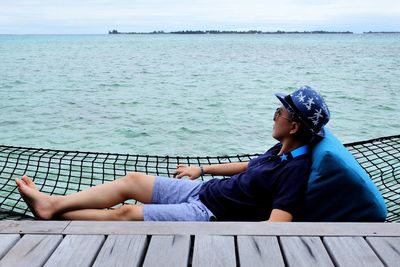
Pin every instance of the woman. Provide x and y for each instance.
(268, 188)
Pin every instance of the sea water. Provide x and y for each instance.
(171, 94)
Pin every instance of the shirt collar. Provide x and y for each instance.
(294, 153)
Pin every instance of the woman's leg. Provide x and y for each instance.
(136, 186)
(123, 213)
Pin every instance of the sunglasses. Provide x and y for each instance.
(278, 113)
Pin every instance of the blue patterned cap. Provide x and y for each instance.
(309, 106)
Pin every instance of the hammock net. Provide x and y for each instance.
(65, 172)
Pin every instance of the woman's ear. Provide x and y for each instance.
(295, 127)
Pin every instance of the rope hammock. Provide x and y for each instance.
(65, 172)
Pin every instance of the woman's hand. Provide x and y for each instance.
(193, 172)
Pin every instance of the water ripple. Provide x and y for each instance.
(186, 95)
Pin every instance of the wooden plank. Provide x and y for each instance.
(351, 251)
(76, 250)
(235, 228)
(387, 248)
(7, 241)
(35, 227)
(304, 251)
(259, 251)
(122, 250)
(213, 250)
(4, 225)
(31, 250)
(168, 251)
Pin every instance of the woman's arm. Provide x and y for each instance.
(226, 169)
(278, 215)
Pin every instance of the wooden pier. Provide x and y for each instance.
(82, 243)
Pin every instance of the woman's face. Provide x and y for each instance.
(282, 124)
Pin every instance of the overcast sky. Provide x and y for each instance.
(80, 16)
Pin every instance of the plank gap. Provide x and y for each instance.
(329, 251)
(386, 248)
(352, 251)
(374, 250)
(191, 249)
(8, 241)
(236, 251)
(284, 256)
(98, 251)
(146, 248)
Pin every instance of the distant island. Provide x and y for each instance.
(379, 32)
(231, 32)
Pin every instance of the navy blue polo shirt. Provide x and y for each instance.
(268, 183)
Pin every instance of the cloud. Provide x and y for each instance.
(28, 16)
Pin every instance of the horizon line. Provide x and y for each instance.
(206, 31)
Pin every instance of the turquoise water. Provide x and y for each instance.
(189, 94)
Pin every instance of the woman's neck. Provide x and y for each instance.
(290, 145)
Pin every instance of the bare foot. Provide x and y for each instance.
(40, 204)
(29, 182)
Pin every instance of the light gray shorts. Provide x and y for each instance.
(176, 200)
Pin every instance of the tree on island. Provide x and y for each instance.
(232, 32)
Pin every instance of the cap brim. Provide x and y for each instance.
(281, 98)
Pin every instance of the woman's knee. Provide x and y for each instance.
(133, 177)
(139, 186)
(129, 213)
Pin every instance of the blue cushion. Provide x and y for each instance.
(339, 189)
